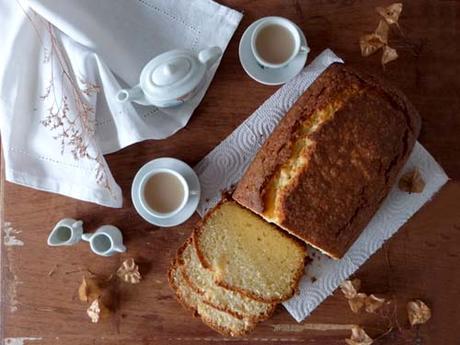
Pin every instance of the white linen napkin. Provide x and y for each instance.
(61, 65)
(225, 165)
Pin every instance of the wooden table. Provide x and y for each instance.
(421, 261)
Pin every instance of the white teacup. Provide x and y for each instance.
(106, 241)
(164, 192)
(276, 41)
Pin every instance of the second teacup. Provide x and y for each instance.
(276, 41)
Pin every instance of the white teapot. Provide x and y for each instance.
(171, 78)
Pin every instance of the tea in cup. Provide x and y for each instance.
(276, 41)
(164, 192)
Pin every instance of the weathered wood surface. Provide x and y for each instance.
(421, 261)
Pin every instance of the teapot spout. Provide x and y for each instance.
(130, 95)
(209, 56)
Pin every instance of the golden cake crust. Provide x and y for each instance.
(365, 133)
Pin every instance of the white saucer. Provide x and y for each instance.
(268, 76)
(189, 175)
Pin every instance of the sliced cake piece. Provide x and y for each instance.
(218, 320)
(201, 280)
(247, 254)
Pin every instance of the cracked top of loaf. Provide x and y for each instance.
(332, 159)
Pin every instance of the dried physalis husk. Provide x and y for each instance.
(412, 182)
(89, 289)
(418, 312)
(391, 13)
(382, 31)
(373, 303)
(97, 310)
(369, 44)
(129, 272)
(350, 288)
(389, 54)
(356, 303)
(358, 337)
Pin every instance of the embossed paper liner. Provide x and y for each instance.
(225, 165)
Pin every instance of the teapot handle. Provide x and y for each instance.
(209, 56)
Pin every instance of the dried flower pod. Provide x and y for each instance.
(412, 182)
(97, 311)
(350, 288)
(389, 54)
(418, 312)
(89, 290)
(88, 88)
(382, 31)
(358, 302)
(129, 272)
(373, 303)
(391, 13)
(358, 337)
(370, 43)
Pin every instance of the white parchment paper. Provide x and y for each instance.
(226, 164)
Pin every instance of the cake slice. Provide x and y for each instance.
(248, 255)
(220, 321)
(201, 280)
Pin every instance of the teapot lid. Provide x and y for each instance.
(172, 75)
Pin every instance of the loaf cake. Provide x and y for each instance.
(201, 281)
(330, 162)
(218, 320)
(247, 254)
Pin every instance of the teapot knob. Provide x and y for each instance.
(169, 69)
(209, 56)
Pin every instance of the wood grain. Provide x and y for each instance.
(421, 261)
